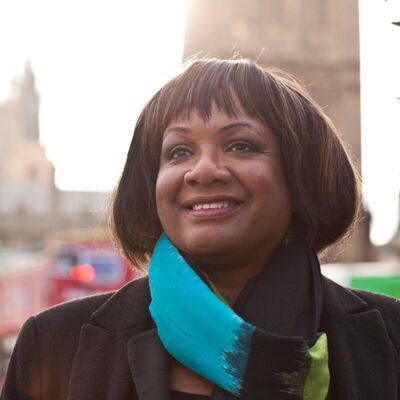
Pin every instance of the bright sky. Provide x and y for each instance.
(380, 113)
(97, 62)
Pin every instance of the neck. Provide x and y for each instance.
(230, 282)
(230, 273)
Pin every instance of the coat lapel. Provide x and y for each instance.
(354, 329)
(119, 355)
(149, 366)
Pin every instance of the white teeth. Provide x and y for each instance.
(206, 206)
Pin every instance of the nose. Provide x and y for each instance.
(207, 169)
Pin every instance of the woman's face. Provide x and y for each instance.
(221, 192)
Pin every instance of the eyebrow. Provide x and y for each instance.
(237, 125)
(233, 125)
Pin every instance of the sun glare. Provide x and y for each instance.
(96, 64)
(380, 110)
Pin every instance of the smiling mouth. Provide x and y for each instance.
(212, 206)
(212, 209)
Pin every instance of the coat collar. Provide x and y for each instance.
(361, 355)
(120, 345)
(126, 308)
(119, 352)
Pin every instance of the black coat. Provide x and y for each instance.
(106, 347)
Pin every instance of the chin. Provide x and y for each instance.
(206, 246)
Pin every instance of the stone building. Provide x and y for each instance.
(26, 175)
(31, 206)
(316, 41)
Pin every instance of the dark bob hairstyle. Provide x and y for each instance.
(323, 185)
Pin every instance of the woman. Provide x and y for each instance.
(234, 180)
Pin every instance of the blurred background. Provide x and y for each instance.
(74, 76)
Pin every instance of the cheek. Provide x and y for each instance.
(159, 187)
(163, 183)
(271, 183)
(167, 188)
(161, 192)
(267, 175)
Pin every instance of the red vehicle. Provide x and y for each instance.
(78, 264)
(82, 268)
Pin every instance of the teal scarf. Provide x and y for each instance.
(242, 350)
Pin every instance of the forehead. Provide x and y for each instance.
(215, 115)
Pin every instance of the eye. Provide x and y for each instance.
(179, 152)
(241, 147)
